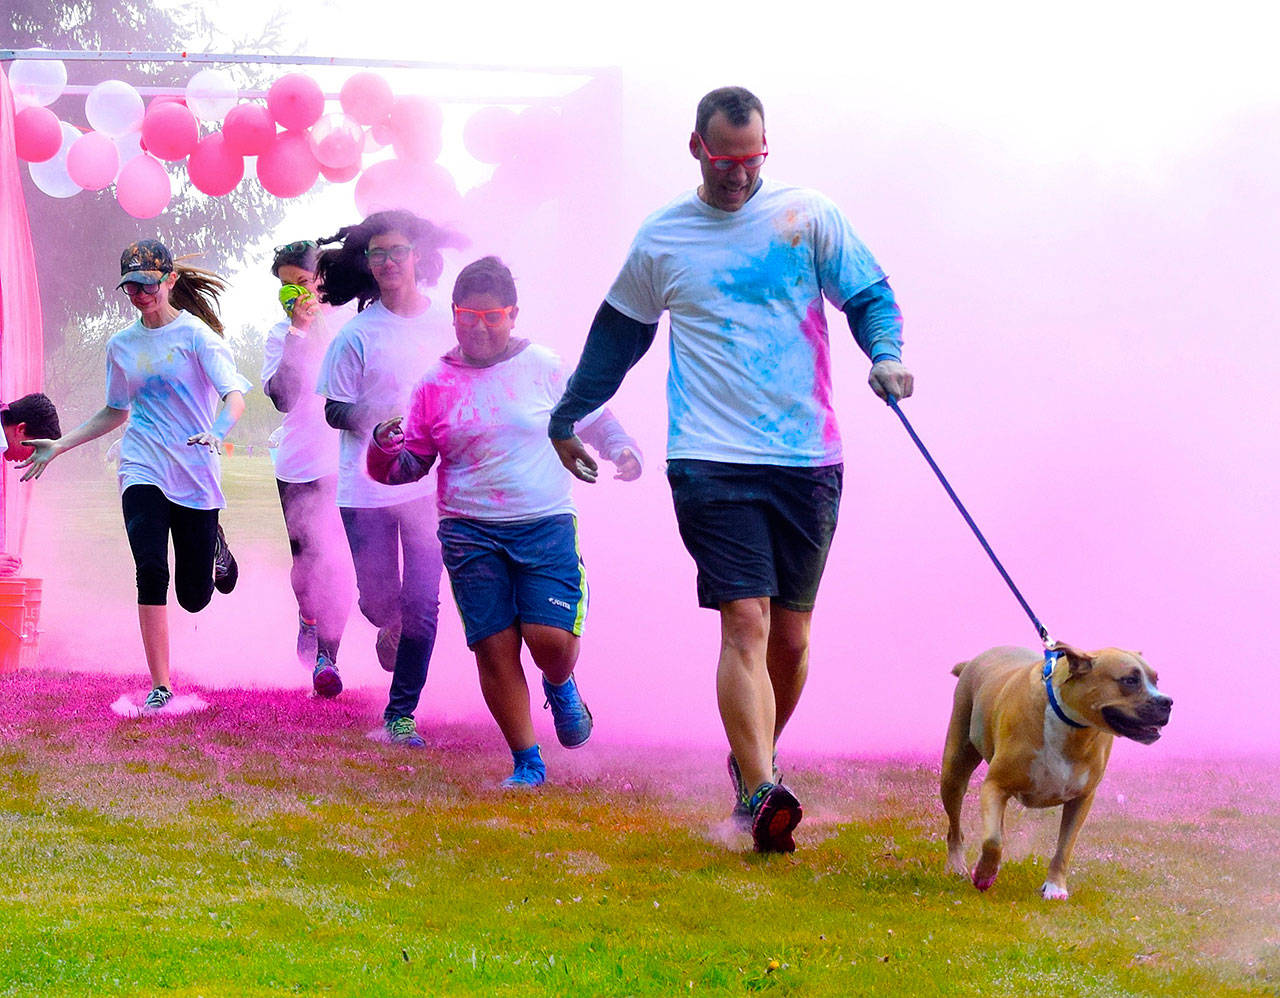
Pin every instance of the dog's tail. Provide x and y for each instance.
(958, 668)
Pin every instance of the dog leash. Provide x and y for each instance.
(1051, 655)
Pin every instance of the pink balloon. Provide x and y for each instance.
(288, 169)
(337, 141)
(213, 167)
(379, 135)
(426, 189)
(367, 97)
(415, 128)
(249, 129)
(296, 100)
(93, 161)
(489, 134)
(143, 187)
(170, 130)
(37, 134)
(340, 174)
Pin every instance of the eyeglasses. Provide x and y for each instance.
(472, 316)
(133, 288)
(377, 257)
(296, 247)
(726, 163)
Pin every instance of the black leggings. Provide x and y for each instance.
(149, 518)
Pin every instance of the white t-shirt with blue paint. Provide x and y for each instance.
(750, 375)
(171, 380)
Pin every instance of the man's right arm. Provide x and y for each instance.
(614, 344)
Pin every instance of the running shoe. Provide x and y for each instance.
(386, 645)
(325, 679)
(225, 569)
(741, 814)
(156, 699)
(528, 773)
(573, 720)
(775, 812)
(402, 731)
(308, 641)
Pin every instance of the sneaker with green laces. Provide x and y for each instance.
(572, 719)
(402, 731)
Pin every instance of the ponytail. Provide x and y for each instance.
(196, 291)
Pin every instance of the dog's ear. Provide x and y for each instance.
(1079, 662)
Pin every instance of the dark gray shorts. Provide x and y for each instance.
(756, 530)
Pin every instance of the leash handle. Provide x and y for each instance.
(1040, 628)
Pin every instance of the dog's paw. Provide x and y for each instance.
(956, 865)
(983, 881)
(1053, 892)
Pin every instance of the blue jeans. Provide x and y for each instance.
(382, 541)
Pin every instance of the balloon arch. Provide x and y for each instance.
(288, 137)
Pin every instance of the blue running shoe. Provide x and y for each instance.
(573, 720)
(529, 772)
(775, 812)
(308, 640)
(402, 731)
(325, 679)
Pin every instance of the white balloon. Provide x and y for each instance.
(129, 145)
(114, 108)
(211, 94)
(51, 176)
(37, 81)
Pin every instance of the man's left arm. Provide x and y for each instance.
(876, 323)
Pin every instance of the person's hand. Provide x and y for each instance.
(306, 310)
(573, 455)
(206, 439)
(42, 452)
(889, 378)
(389, 434)
(10, 564)
(628, 466)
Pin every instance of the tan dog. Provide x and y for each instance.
(1005, 713)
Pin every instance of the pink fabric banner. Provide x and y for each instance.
(21, 332)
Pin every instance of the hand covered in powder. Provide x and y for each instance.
(628, 466)
(890, 378)
(389, 434)
(573, 455)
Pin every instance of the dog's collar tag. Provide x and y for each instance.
(1050, 660)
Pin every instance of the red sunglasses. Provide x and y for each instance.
(726, 163)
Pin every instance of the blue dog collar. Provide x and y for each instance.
(1050, 659)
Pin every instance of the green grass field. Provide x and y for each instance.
(267, 846)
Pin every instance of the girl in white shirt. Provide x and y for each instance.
(172, 377)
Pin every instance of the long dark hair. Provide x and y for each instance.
(343, 273)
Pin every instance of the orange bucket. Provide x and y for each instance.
(19, 622)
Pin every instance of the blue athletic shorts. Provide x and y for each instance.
(502, 573)
(756, 530)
